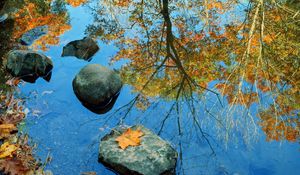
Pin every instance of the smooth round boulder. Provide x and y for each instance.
(29, 65)
(97, 87)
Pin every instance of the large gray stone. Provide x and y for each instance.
(97, 87)
(29, 65)
(82, 49)
(153, 157)
(30, 36)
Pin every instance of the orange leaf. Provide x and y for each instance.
(76, 3)
(13, 82)
(130, 138)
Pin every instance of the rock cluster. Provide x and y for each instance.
(97, 88)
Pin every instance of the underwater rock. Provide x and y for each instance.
(154, 156)
(82, 49)
(29, 65)
(30, 36)
(97, 87)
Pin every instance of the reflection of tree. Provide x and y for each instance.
(176, 49)
(76, 3)
(6, 43)
(39, 13)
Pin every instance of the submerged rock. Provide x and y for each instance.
(153, 157)
(97, 87)
(29, 65)
(82, 49)
(30, 36)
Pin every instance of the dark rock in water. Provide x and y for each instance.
(82, 49)
(97, 87)
(153, 157)
(29, 65)
(30, 36)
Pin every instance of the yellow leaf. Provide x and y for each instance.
(7, 149)
(7, 126)
(6, 129)
(130, 138)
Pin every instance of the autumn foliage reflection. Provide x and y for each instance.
(76, 3)
(179, 48)
(34, 14)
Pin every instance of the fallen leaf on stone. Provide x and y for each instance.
(6, 130)
(130, 138)
(7, 149)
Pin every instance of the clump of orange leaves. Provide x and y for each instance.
(16, 158)
(11, 115)
(16, 154)
(130, 138)
(30, 17)
(280, 128)
(76, 3)
(122, 3)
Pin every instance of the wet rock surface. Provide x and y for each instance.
(97, 87)
(29, 65)
(82, 49)
(153, 157)
(30, 36)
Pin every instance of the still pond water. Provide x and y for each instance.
(246, 129)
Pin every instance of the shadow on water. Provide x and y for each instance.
(218, 80)
(102, 108)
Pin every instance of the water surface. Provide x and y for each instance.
(222, 99)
